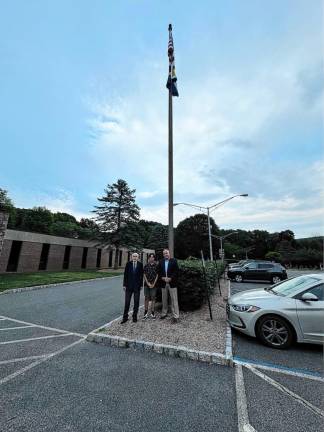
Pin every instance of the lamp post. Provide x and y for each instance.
(209, 210)
(221, 238)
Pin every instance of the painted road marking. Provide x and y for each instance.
(241, 402)
(22, 359)
(36, 363)
(300, 373)
(286, 390)
(37, 338)
(43, 327)
(16, 328)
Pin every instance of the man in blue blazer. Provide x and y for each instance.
(168, 275)
(133, 282)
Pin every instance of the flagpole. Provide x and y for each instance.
(170, 233)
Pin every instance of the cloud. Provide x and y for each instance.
(59, 200)
(227, 140)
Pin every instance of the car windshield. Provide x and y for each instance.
(294, 286)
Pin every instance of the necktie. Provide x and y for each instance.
(134, 266)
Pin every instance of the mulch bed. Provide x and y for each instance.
(194, 330)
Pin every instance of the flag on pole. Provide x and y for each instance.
(172, 78)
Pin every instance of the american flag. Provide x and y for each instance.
(172, 78)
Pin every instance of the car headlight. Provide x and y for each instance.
(245, 308)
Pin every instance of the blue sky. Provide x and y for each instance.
(83, 103)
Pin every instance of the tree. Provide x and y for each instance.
(158, 239)
(7, 206)
(191, 236)
(37, 219)
(65, 229)
(64, 217)
(117, 209)
(273, 256)
(5, 202)
(260, 241)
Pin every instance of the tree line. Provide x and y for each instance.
(117, 222)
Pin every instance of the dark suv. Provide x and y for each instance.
(271, 272)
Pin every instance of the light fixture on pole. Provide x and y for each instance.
(221, 238)
(209, 210)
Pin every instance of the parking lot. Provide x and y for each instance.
(287, 377)
(52, 379)
(25, 345)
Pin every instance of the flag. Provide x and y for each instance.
(172, 77)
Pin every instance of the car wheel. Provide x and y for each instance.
(275, 279)
(238, 278)
(275, 332)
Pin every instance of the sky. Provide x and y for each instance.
(84, 103)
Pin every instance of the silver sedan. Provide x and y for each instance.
(278, 315)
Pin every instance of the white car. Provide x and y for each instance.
(292, 310)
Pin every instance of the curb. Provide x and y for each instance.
(168, 350)
(38, 287)
(229, 343)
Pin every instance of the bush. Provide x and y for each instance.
(273, 256)
(192, 285)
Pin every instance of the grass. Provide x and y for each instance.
(21, 280)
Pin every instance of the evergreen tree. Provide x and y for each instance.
(117, 209)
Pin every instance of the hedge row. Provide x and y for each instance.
(192, 283)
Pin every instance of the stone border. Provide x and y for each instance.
(169, 350)
(38, 287)
(229, 343)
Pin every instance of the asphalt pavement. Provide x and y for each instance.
(51, 379)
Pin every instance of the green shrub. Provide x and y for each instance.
(192, 284)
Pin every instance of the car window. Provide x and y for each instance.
(318, 291)
(250, 266)
(265, 266)
(292, 287)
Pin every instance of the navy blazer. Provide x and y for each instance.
(172, 272)
(133, 281)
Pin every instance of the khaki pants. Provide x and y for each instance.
(174, 301)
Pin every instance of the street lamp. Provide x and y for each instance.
(209, 210)
(221, 238)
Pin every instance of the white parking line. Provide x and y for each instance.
(286, 391)
(16, 328)
(43, 327)
(37, 338)
(283, 371)
(22, 359)
(241, 403)
(36, 363)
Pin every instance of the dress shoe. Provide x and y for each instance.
(163, 316)
(123, 321)
(174, 320)
(134, 319)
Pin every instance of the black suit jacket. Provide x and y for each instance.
(133, 281)
(172, 272)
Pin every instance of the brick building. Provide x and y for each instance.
(32, 252)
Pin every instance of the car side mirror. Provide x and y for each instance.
(309, 297)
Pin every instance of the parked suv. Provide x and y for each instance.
(271, 272)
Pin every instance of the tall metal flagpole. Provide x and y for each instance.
(170, 233)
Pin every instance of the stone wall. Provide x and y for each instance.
(4, 257)
(3, 226)
(29, 257)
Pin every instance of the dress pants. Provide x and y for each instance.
(128, 297)
(174, 301)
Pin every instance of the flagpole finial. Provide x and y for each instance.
(170, 27)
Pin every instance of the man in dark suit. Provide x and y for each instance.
(133, 282)
(168, 275)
